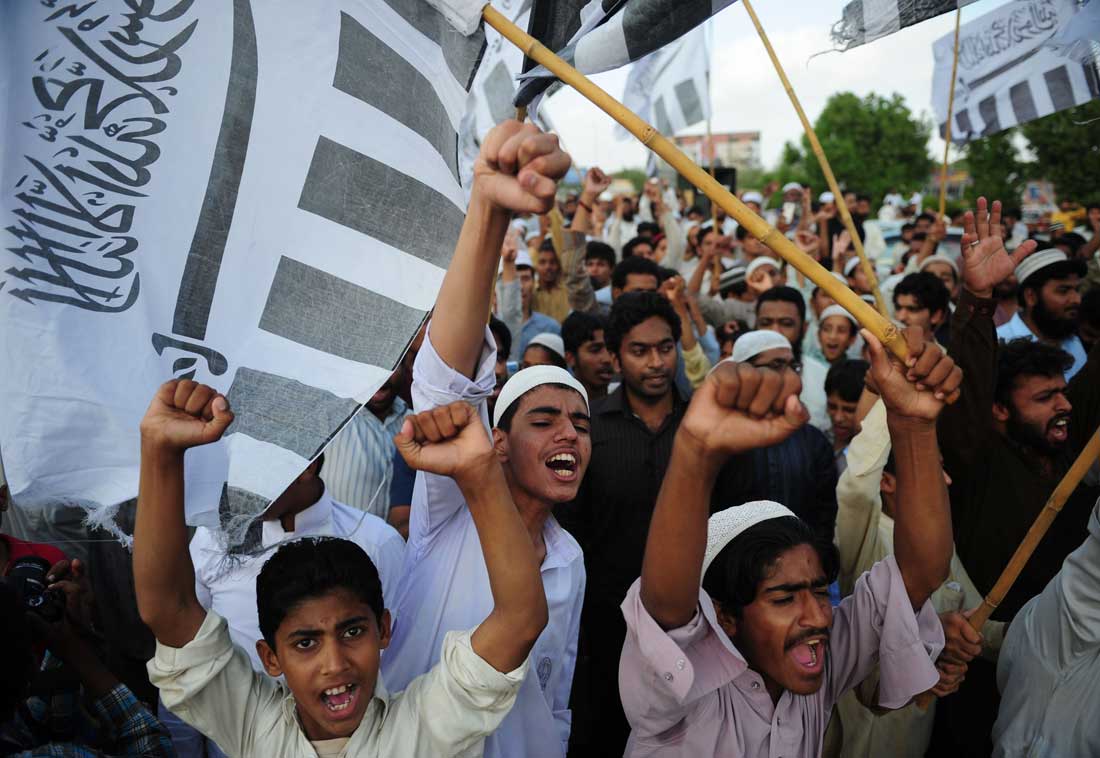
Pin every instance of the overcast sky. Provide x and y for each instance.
(746, 92)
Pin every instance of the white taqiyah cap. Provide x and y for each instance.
(939, 259)
(1038, 261)
(526, 380)
(836, 310)
(826, 197)
(751, 344)
(850, 266)
(523, 258)
(723, 526)
(869, 299)
(752, 196)
(552, 342)
(763, 260)
(791, 186)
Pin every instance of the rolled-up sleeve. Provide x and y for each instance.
(877, 624)
(662, 673)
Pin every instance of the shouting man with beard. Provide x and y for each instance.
(1049, 304)
(1006, 445)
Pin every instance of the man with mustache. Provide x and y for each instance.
(733, 647)
(1049, 304)
(1006, 444)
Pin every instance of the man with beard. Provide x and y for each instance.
(540, 436)
(1049, 304)
(586, 353)
(1006, 444)
(782, 309)
(632, 433)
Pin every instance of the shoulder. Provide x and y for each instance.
(365, 529)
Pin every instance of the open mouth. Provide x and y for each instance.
(340, 701)
(1059, 429)
(809, 655)
(563, 466)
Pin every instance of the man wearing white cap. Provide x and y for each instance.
(540, 435)
(546, 349)
(515, 293)
(945, 269)
(837, 330)
(857, 277)
(763, 273)
(1049, 304)
(734, 648)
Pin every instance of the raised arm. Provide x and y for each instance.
(183, 414)
(738, 408)
(914, 395)
(451, 441)
(518, 170)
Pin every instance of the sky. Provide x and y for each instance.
(746, 92)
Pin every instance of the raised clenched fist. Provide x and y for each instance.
(185, 414)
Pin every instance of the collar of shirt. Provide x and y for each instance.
(618, 403)
(316, 519)
(560, 549)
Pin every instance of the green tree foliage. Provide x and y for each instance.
(1067, 151)
(995, 168)
(635, 176)
(873, 144)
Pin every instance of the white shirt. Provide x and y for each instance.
(359, 460)
(446, 587)
(1015, 328)
(1049, 669)
(209, 683)
(813, 397)
(227, 586)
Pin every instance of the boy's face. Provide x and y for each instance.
(836, 334)
(328, 648)
(842, 414)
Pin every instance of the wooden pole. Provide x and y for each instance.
(950, 116)
(826, 169)
(1088, 455)
(870, 318)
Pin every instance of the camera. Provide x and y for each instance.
(27, 576)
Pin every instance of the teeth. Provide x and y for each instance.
(566, 457)
(337, 690)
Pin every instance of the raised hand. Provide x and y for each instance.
(185, 414)
(449, 440)
(596, 183)
(986, 263)
(519, 167)
(510, 249)
(740, 407)
(809, 243)
(920, 388)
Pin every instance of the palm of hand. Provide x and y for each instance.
(986, 264)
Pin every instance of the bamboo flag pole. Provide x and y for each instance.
(950, 114)
(874, 321)
(826, 169)
(1088, 455)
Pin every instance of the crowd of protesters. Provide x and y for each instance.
(638, 487)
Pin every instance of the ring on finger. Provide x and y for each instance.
(975, 243)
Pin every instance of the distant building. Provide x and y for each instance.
(740, 150)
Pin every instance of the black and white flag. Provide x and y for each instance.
(1007, 75)
(865, 21)
(669, 88)
(263, 196)
(610, 33)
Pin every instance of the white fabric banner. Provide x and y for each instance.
(1007, 75)
(668, 88)
(260, 195)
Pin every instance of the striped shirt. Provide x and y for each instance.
(359, 461)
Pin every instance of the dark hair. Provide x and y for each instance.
(632, 309)
(927, 289)
(1090, 308)
(784, 294)
(694, 209)
(741, 232)
(908, 226)
(16, 656)
(503, 334)
(547, 246)
(734, 576)
(845, 378)
(1059, 270)
(1013, 212)
(648, 229)
(863, 197)
(1072, 240)
(1021, 358)
(309, 568)
(665, 274)
(505, 423)
(927, 217)
(634, 265)
(596, 250)
(628, 248)
(579, 328)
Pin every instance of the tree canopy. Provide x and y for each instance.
(996, 170)
(1067, 151)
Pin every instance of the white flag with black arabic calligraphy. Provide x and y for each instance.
(263, 196)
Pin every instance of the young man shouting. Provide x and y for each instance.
(321, 610)
(734, 648)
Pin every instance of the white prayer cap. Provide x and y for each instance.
(791, 186)
(552, 342)
(523, 258)
(763, 260)
(751, 344)
(526, 380)
(869, 299)
(752, 196)
(939, 259)
(723, 526)
(826, 197)
(836, 310)
(850, 266)
(1037, 261)
(606, 196)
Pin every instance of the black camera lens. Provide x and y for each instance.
(27, 576)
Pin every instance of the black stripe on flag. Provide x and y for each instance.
(1060, 88)
(650, 24)
(1023, 104)
(463, 54)
(964, 129)
(285, 412)
(499, 88)
(370, 70)
(660, 115)
(914, 11)
(1093, 83)
(204, 260)
(322, 311)
(691, 105)
(366, 195)
(987, 109)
